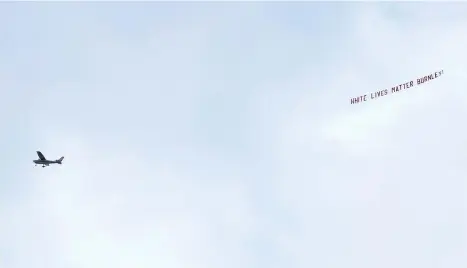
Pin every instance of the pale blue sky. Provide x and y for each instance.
(221, 135)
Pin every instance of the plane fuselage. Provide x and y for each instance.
(45, 162)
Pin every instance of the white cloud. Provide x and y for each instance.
(378, 183)
(228, 142)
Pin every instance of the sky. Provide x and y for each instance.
(207, 135)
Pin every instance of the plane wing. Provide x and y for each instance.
(41, 156)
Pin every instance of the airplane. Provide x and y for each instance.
(44, 162)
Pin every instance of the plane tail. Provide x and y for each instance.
(60, 160)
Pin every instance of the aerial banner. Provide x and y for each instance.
(395, 89)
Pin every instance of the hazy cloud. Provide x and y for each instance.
(222, 135)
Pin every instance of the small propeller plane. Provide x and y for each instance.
(44, 162)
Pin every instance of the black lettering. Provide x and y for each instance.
(411, 83)
(395, 89)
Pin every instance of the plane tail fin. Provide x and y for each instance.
(60, 160)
